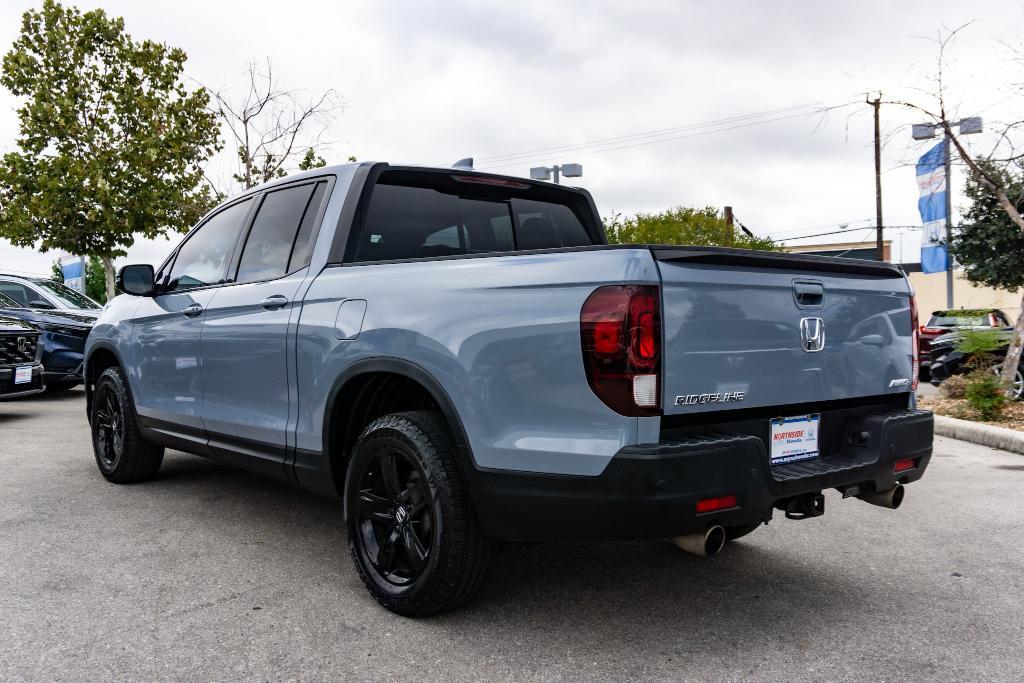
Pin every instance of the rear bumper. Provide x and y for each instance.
(10, 390)
(651, 491)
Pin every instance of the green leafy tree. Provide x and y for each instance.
(988, 244)
(311, 160)
(96, 280)
(57, 272)
(682, 225)
(111, 142)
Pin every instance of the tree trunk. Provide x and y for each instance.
(1014, 352)
(108, 271)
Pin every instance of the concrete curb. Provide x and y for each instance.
(983, 434)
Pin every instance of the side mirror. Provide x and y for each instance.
(136, 280)
(39, 303)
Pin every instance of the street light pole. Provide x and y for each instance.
(949, 222)
(546, 172)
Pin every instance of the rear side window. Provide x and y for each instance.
(16, 291)
(283, 217)
(410, 222)
(203, 259)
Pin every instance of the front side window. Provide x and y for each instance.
(203, 259)
(268, 248)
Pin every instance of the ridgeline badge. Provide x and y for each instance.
(718, 397)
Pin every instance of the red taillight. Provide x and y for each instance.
(620, 332)
(915, 365)
(904, 465)
(719, 503)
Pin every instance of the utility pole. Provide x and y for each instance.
(728, 216)
(879, 245)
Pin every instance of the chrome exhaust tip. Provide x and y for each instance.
(890, 498)
(707, 542)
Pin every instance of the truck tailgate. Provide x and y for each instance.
(744, 329)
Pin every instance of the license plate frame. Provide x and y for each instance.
(794, 438)
(23, 374)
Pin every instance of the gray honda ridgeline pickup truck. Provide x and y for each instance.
(461, 358)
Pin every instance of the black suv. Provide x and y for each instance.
(21, 372)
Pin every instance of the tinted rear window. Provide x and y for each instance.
(960, 321)
(407, 221)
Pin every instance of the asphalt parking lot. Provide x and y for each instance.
(211, 573)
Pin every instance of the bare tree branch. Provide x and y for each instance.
(274, 128)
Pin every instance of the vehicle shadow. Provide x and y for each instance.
(74, 394)
(551, 599)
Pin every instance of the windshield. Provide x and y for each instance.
(8, 302)
(68, 297)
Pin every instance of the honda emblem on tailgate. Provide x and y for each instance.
(812, 334)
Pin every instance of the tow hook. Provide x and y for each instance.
(803, 507)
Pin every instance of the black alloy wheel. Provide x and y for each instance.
(122, 454)
(396, 519)
(412, 531)
(109, 428)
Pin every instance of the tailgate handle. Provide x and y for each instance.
(809, 293)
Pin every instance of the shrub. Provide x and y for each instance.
(954, 387)
(985, 394)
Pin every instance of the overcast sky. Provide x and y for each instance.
(431, 82)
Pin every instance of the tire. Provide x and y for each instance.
(1017, 390)
(122, 455)
(412, 530)
(734, 532)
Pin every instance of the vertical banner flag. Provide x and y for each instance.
(74, 273)
(931, 179)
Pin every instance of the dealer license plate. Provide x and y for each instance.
(23, 375)
(794, 438)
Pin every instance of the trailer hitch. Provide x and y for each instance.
(803, 507)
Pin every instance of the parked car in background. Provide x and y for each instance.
(43, 293)
(943, 322)
(21, 372)
(948, 361)
(62, 339)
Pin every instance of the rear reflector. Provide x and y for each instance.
(904, 465)
(645, 390)
(712, 504)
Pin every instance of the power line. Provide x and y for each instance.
(637, 140)
(649, 133)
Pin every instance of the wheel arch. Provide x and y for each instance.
(374, 387)
(101, 356)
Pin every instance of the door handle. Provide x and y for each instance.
(272, 303)
(192, 311)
